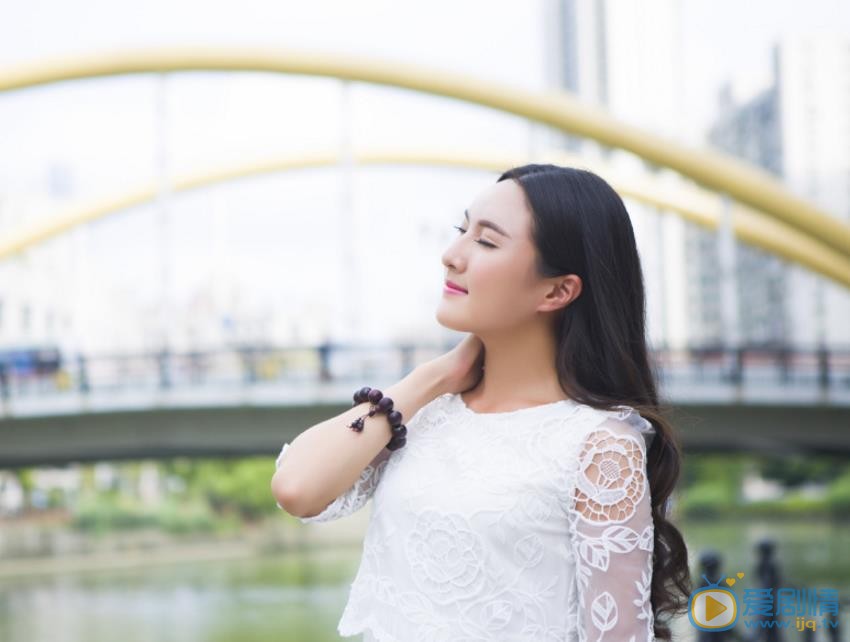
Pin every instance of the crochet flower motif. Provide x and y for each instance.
(611, 478)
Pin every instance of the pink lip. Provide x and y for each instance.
(450, 290)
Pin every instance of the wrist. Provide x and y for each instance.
(430, 380)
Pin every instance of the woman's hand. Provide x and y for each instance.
(462, 367)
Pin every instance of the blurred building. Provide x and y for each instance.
(626, 57)
(797, 128)
(813, 78)
(31, 313)
(750, 131)
(53, 295)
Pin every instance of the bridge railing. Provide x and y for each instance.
(778, 366)
(262, 364)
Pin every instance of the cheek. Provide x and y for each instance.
(490, 275)
(500, 284)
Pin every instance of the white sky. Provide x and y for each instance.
(725, 39)
(721, 38)
(103, 130)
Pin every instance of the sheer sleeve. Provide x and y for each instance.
(612, 531)
(355, 497)
(362, 490)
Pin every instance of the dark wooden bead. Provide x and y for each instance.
(395, 444)
(380, 404)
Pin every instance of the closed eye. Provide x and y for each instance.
(482, 242)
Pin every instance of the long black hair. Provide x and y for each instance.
(580, 226)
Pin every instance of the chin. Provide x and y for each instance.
(448, 322)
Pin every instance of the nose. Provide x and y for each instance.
(453, 258)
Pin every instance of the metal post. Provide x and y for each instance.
(823, 367)
(4, 383)
(729, 288)
(784, 356)
(82, 374)
(163, 207)
(324, 360)
(407, 364)
(820, 329)
(347, 316)
(249, 362)
(164, 363)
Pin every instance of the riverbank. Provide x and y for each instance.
(44, 544)
(112, 561)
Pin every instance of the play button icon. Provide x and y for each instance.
(713, 609)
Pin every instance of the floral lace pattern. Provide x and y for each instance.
(355, 497)
(533, 524)
(612, 530)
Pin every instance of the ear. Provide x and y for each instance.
(564, 290)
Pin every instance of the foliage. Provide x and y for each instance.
(706, 499)
(237, 485)
(114, 511)
(725, 471)
(111, 511)
(794, 470)
(838, 496)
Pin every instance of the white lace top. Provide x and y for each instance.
(526, 525)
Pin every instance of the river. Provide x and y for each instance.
(299, 597)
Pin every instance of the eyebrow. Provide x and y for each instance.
(485, 223)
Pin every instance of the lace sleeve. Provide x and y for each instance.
(362, 490)
(612, 532)
(355, 497)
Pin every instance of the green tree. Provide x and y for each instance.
(794, 470)
(26, 478)
(240, 485)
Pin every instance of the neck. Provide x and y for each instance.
(519, 367)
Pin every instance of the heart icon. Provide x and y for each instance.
(740, 575)
(730, 581)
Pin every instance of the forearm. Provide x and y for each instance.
(326, 459)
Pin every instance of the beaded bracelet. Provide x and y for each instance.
(380, 403)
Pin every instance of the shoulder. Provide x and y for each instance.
(609, 466)
(564, 433)
(621, 424)
(581, 420)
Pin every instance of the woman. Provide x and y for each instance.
(530, 499)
